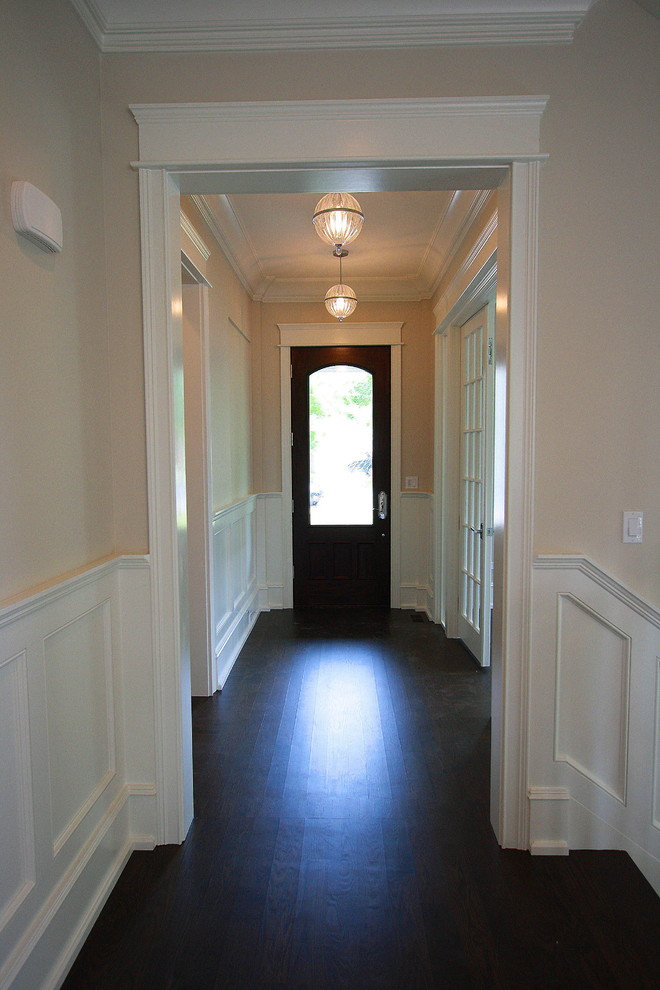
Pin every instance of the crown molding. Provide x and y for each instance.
(404, 288)
(191, 232)
(93, 20)
(462, 212)
(554, 25)
(233, 241)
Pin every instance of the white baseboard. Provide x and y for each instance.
(417, 597)
(230, 646)
(271, 596)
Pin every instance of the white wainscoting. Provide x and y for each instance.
(235, 597)
(416, 543)
(77, 774)
(270, 552)
(594, 768)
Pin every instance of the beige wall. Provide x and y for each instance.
(598, 344)
(230, 366)
(416, 382)
(56, 508)
(599, 347)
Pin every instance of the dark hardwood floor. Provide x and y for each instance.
(342, 839)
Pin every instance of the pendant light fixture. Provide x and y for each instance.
(338, 220)
(340, 299)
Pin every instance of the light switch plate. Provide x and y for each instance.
(633, 527)
(412, 481)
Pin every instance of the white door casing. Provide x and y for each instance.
(246, 146)
(203, 665)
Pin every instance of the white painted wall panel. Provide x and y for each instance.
(656, 749)
(78, 780)
(593, 671)
(416, 551)
(235, 593)
(270, 559)
(595, 690)
(16, 809)
(79, 711)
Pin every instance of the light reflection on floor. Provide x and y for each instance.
(339, 720)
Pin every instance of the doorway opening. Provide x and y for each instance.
(498, 146)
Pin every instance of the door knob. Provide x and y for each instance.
(382, 505)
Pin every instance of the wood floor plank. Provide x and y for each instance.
(342, 839)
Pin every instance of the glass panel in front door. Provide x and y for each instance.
(340, 447)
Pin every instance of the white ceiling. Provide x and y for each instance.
(401, 252)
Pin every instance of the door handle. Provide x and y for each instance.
(382, 505)
(480, 531)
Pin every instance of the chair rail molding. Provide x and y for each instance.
(577, 562)
(231, 147)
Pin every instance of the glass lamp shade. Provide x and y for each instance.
(340, 301)
(338, 218)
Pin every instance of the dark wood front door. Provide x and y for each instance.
(340, 415)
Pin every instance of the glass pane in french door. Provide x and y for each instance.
(472, 447)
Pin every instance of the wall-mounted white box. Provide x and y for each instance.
(633, 527)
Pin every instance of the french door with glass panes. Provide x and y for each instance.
(340, 417)
(476, 485)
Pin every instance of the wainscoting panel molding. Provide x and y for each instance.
(78, 776)
(656, 754)
(235, 595)
(416, 550)
(593, 767)
(270, 551)
(17, 815)
(593, 740)
(79, 707)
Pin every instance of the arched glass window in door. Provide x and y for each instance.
(340, 446)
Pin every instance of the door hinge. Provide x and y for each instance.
(490, 350)
(291, 370)
(292, 439)
(292, 504)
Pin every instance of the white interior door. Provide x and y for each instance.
(476, 485)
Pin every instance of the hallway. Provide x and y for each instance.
(342, 840)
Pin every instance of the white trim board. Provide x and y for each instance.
(431, 133)
(397, 139)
